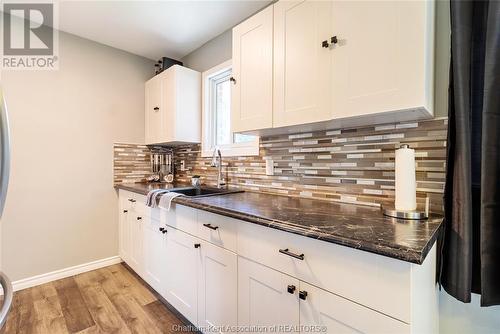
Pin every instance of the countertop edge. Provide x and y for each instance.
(415, 256)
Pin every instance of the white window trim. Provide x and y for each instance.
(207, 136)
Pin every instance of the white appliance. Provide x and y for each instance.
(4, 183)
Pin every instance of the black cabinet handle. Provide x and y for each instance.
(139, 218)
(303, 295)
(334, 40)
(291, 289)
(125, 211)
(131, 200)
(296, 256)
(156, 108)
(325, 44)
(163, 230)
(233, 80)
(197, 245)
(211, 227)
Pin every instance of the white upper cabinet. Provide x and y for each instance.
(382, 60)
(153, 116)
(173, 107)
(252, 77)
(301, 64)
(335, 64)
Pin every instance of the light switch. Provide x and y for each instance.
(269, 167)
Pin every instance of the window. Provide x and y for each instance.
(217, 116)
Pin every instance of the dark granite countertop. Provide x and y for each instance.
(355, 226)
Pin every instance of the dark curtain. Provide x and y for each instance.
(470, 260)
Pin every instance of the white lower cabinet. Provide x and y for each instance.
(182, 267)
(219, 273)
(124, 234)
(217, 289)
(320, 309)
(271, 300)
(136, 256)
(154, 254)
(266, 298)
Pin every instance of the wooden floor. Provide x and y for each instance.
(107, 300)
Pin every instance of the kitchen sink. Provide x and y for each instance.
(203, 192)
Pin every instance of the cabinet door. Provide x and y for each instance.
(181, 281)
(264, 299)
(321, 309)
(136, 243)
(168, 89)
(153, 114)
(124, 233)
(217, 292)
(252, 90)
(379, 60)
(301, 64)
(154, 254)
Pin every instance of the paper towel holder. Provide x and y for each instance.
(409, 214)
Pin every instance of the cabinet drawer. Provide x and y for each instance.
(335, 314)
(182, 218)
(133, 202)
(218, 230)
(372, 280)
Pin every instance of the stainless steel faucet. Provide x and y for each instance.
(217, 162)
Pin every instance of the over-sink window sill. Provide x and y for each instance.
(234, 150)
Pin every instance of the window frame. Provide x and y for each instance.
(209, 79)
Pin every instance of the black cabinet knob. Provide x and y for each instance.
(325, 44)
(303, 295)
(291, 289)
(197, 245)
(233, 80)
(156, 108)
(131, 200)
(125, 211)
(161, 229)
(334, 40)
(139, 218)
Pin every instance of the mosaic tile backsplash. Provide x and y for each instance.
(349, 165)
(131, 163)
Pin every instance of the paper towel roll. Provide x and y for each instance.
(406, 185)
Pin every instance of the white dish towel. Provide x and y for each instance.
(166, 200)
(153, 195)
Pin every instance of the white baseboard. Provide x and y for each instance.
(63, 273)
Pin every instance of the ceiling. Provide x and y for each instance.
(154, 28)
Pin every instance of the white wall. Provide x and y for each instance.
(212, 53)
(456, 317)
(61, 208)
